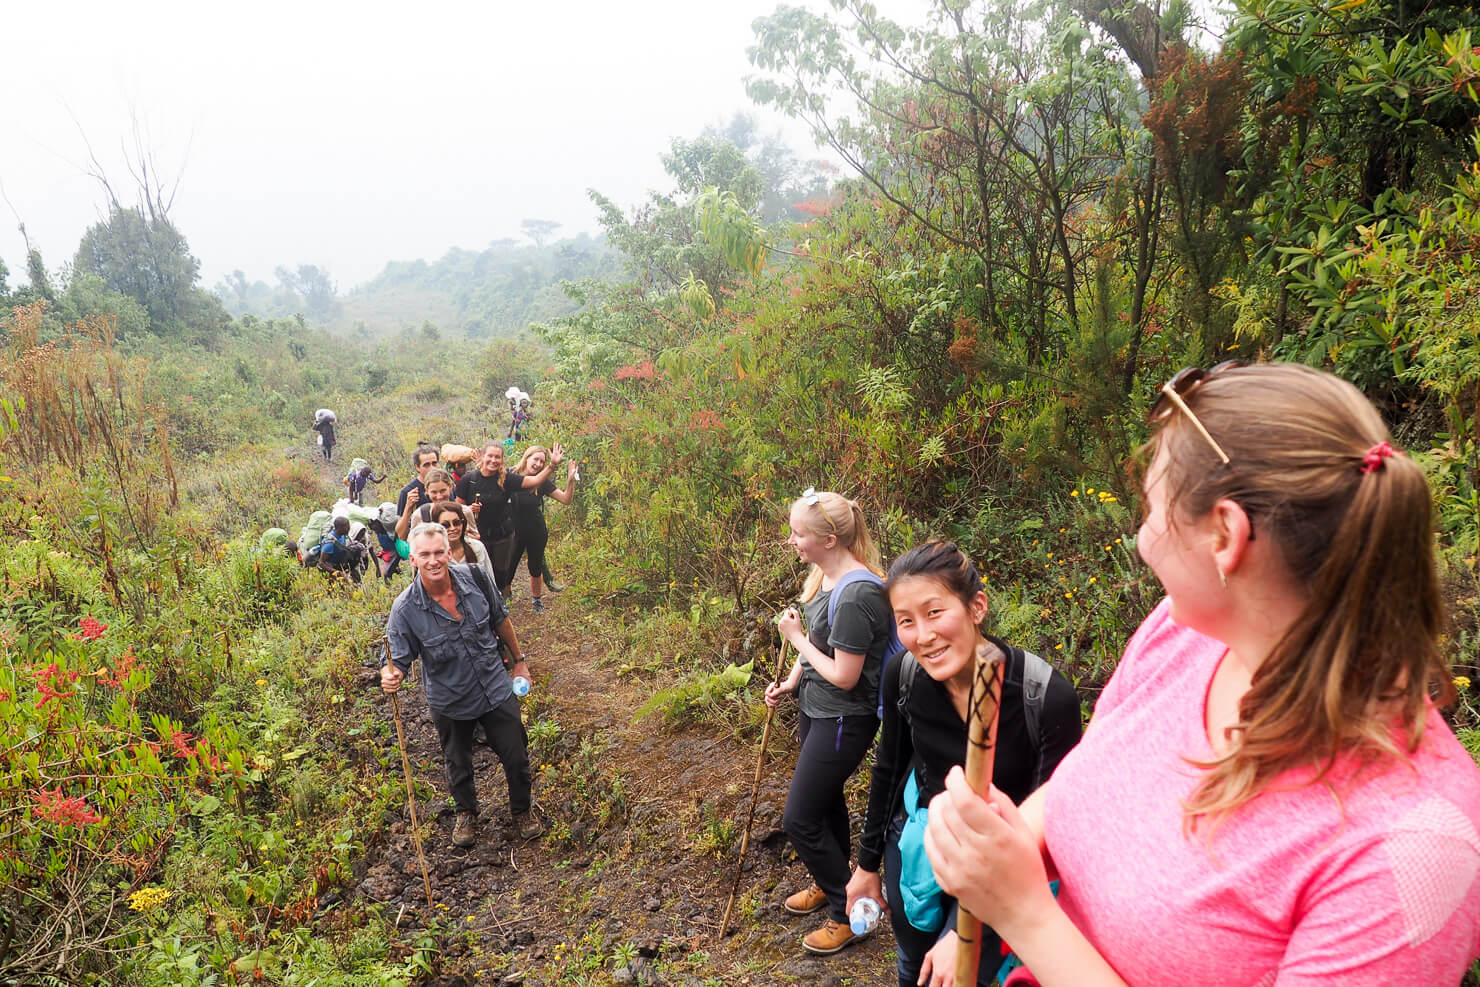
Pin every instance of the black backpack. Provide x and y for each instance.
(1036, 675)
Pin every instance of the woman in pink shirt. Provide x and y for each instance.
(1267, 795)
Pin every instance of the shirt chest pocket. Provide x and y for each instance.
(438, 649)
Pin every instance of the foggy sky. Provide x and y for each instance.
(347, 135)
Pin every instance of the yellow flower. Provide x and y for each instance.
(1073, 493)
(1089, 489)
(1107, 548)
(261, 682)
(1062, 530)
(148, 898)
(1461, 682)
(1094, 579)
(1117, 541)
(1058, 647)
(1050, 555)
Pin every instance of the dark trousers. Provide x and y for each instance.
(816, 816)
(505, 732)
(530, 537)
(501, 556)
(912, 944)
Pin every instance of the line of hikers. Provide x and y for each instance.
(1267, 793)
(494, 516)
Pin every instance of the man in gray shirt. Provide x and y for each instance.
(452, 618)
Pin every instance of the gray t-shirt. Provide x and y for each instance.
(862, 627)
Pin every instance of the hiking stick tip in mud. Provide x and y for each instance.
(755, 788)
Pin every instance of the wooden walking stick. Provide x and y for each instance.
(426, 879)
(755, 787)
(981, 747)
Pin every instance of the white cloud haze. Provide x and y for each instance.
(347, 135)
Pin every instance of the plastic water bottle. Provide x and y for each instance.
(521, 688)
(864, 917)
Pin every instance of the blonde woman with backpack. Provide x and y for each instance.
(836, 680)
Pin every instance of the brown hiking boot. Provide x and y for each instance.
(527, 826)
(830, 938)
(805, 902)
(465, 830)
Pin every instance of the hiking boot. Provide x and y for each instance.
(554, 587)
(805, 902)
(527, 826)
(538, 604)
(828, 939)
(465, 830)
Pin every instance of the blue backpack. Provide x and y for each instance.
(894, 649)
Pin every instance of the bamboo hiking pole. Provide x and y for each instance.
(426, 879)
(755, 787)
(981, 747)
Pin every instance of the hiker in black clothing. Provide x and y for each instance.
(530, 533)
(325, 427)
(422, 460)
(486, 490)
(939, 606)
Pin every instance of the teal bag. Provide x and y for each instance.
(923, 898)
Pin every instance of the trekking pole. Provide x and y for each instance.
(426, 879)
(981, 747)
(755, 788)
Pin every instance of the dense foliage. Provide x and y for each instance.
(1058, 206)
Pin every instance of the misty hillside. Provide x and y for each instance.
(478, 294)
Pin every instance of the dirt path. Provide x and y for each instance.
(630, 881)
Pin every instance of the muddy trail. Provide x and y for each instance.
(629, 883)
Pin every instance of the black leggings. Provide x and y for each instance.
(816, 816)
(530, 537)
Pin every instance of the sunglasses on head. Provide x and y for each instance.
(1172, 398)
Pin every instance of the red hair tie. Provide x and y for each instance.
(1372, 461)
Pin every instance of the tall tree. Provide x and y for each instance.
(539, 230)
(144, 257)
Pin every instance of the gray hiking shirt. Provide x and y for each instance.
(461, 661)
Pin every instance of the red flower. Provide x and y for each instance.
(706, 419)
(47, 684)
(181, 740)
(55, 807)
(92, 628)
(642, 371)
(122, 669)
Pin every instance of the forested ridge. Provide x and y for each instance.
(1052, 207)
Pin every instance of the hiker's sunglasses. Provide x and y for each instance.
(1174, 392)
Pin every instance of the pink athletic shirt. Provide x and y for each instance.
(1292, 890)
